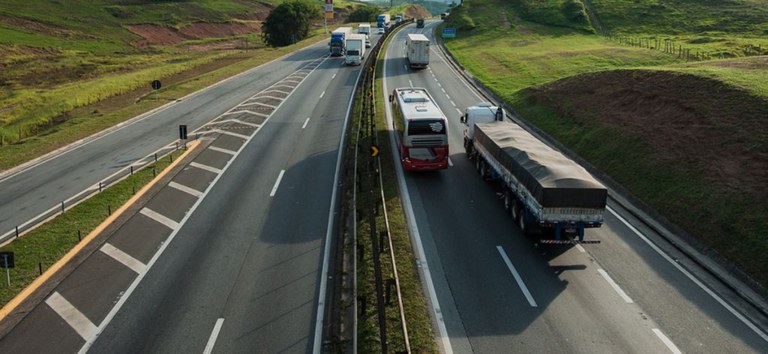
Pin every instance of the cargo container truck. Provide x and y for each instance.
(382, 21)
(541, 188)
(338, 40)
(417, 48)
(355, 49)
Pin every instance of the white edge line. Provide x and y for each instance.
(317, 348)
(615, 286)
(581, 249)
(450, 162)
(214, 336)
(672, 347)
(518, 279)
(444, 339)
(701, 285)
(277, 183)
(305, 123)
(127, 294)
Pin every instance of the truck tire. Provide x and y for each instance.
(482, 167)
(523, 222)
(516, 209)
(468, 147)
(509, 201)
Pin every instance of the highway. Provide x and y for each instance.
(497, 291)
(43, 184)
(230, 254)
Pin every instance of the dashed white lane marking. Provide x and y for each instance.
(438, 84)
(81, 324)
(227, 132)
(690, 276)
(672, 347)
(277, 183)
(615, 286)
(453, 103)
(458, 110)
(205, 167)
(410, 83)
(322, 94)
(124, 258)
(305, 123)
(226, 151)
(214, 335)
(405, 67)
(518, 279)
(450, 162)
(191, 191)
(333, 77)
(581, 249)
(173, 225)
(442, 89)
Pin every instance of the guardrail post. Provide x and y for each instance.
(17, 232)
(99, 186)
(79, 237)
(62, 207)
(131, 170)
(109, 210)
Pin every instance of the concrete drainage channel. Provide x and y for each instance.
(71, 316)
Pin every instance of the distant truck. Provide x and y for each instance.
(355, 49)
(398, 19)
(338, 41)
(542, 189)
(417, 48)
(420, 23)
(382, 21)
(364, 28)
(444, 15)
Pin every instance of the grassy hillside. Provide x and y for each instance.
(679, 135)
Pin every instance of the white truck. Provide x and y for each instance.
(355, 49)
(542, 189)
(417, 50)
(364, 28)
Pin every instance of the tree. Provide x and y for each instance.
(365, 13)
(289, 22)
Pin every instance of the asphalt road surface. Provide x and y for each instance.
(497, 291)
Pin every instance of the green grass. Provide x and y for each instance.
(45, 245)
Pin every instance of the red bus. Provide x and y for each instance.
(422, 130)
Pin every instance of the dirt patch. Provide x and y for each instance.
(416, 11)
(705, 124)
(751, 63)
(39, 27)
(159, 35)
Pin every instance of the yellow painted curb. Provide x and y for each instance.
(39, 281)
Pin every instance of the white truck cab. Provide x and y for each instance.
(483, 112)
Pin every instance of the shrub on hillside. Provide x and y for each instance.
(364, 13)
(289, 22)
(574, 10)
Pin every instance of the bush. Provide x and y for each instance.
(365, 13)
(289, 22)
(574, 10)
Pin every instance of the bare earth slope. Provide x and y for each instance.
(714, 137)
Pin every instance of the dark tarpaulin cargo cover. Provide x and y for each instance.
(553, 179)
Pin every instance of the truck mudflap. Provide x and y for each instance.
(568, 242)
(578, 229)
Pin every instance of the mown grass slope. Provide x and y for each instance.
(684, 137)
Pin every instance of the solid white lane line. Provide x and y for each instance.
(450, 163)
(691, 277)
(81, 324)
(227, 132)
(173, 225)
(410, 83)
(214, 335)
(205, 167)
(191, 191)
(226, 151)
(518, 279)
(124, 258)
(305, 123)
(672, 347)
(322, 94)
(277, 183)
(615, 286)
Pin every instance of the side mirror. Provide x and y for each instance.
(391, 98)
(463, 118)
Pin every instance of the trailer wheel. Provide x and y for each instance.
(508, 201)
(478, 165)
(524, 224)
(515, 210)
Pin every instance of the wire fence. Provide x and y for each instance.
(676, 48)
